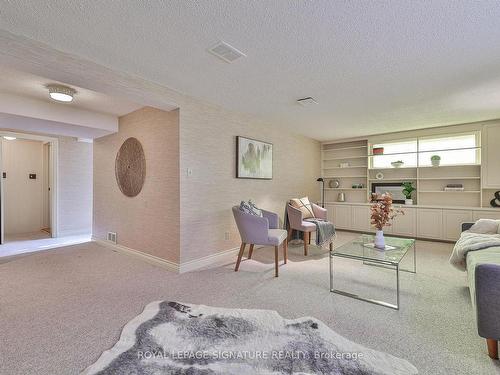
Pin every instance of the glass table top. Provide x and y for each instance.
(396, 249)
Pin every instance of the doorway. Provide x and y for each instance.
(28, 187)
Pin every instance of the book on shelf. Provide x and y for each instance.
(454, 188)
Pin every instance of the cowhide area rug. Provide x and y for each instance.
(175, 338)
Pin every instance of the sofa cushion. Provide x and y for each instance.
(475, 258)
(485, 226)
(250, 208)
(304, 206)
(276, 236)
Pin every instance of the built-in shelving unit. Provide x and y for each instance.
(347, 163)
(352, 165)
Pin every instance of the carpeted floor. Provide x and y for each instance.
(61, 308)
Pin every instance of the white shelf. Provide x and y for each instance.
(351, 166)
(345, 157)
(413, 178)
(345, 177)
(390, 168)
(344, 148)
(450, 178)
(449, 165)
(451, 191)
(345, 189)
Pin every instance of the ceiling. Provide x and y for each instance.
(373, 66)
(31, 86)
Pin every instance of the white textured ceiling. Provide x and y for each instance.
(373, 66)
(32, 86)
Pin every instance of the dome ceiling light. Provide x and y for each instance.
(61, 93)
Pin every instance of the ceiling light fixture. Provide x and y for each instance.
(61, 93)
(9, 138)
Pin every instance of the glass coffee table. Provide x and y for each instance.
(362, 249)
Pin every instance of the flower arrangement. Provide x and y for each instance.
(382, 211)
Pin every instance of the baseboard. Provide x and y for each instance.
(170, 266)
(67, 233)
(219, 258)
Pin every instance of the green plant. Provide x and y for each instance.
(435, 157)
(408, 188)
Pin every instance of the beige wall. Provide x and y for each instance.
(148, 222)
(75, 187)
(208, 147)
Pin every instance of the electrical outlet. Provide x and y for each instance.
(189, 172)
(227, 236)
(112, 237)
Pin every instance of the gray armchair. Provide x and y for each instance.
(255, 230)
(296, 222)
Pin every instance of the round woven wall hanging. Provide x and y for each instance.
(130, 167)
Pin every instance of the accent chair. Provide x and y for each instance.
(296, 222)
(256, 230)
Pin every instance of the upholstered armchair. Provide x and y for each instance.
(256, 230)
(296, 222)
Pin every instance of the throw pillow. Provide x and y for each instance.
(304, 206)
(485, 226)
(250, 208)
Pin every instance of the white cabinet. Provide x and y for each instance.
(430, 223)
(405, 225)
(340, 215)
(476, 215)
(452, 223)
(361, 218)
(491, 156)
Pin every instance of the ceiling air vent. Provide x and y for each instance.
(226, 52)
(306, 102)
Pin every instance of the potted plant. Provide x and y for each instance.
(382, 214)
(408, 189)
(397, 163)
(435, 160)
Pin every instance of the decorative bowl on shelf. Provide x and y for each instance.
(397, 164)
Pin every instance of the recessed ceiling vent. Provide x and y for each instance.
(306, 102)
(226, 52)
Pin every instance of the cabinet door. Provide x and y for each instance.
(405, 225)
(341, 215)
(361, 218)
(491, 156)
(452, 223)
(429, 223)
(476, 215)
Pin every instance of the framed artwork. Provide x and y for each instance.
(254, 159)
(394, 188)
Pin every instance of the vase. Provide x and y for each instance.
(379, 240)
(408, 201)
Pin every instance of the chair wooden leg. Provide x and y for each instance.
(250, 252)
(276, 261)
(307, 235)
(492, 348)
(240, 254)
(309, 238)
(285, 251)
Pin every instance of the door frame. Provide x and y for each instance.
(54, 179)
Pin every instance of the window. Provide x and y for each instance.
(454, 150)
(457, 149)
(402, 150)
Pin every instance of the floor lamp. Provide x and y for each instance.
(320, 179)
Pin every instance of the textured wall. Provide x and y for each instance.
(208, 147)
(148, 222)
(75, 187)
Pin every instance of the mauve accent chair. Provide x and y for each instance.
(297, 223)
(255, 230)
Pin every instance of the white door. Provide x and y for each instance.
(341, 215)
(430, 223)
(452, 223)
(405, 225)
(361, 218)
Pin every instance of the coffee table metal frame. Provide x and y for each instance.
(378, 263)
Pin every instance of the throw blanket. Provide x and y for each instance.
(324, 231)
(469, 241)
